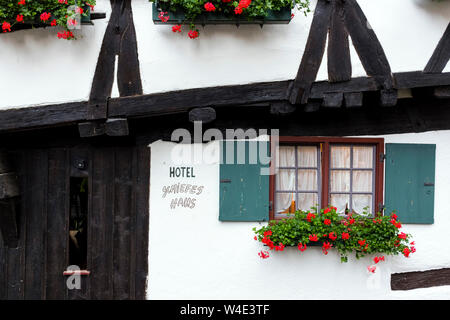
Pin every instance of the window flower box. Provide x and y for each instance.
(360, 234)
(282, 16)
(32, 14)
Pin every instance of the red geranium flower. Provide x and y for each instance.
(238, 10)
(351, 221)
(263, 254)
(325, 247)
(406, 252)
(313, 237)
(301, 247)
(53, 23)
(378, 259)
(332, 236)
(361, 242)
(209, 7)
(21, 2)
(403, 235)
(371, 269)
(6, 26)
(45, 16)
(162, 16)
(176, 28)
(280, 247)
(327, 210)
(244, 3)
(310, 216)
(327, 221)
(19, 18)
(267, 233)
(345, 236)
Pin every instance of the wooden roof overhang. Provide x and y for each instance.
(370, 101)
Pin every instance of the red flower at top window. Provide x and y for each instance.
(177, 28)
(244, 3)
(162, 16)
(209, 7)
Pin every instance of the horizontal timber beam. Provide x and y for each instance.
(420, 279)
(264, 95)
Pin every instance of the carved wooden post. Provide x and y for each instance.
(9, 191)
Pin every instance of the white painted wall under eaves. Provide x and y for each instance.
(193, 255)
(37, 68)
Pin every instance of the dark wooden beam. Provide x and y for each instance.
(184, 100)
(339, 61)
(420, 279)
(353, 99)
(205, 115)
(258, 95)
(441, 54)
(418, 79)
(332, 100)
(442, 92)
(282, 108)
(367, 45)
(116, 127)
(120, 41)
(313, 54)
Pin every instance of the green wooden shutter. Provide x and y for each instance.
(409, 187)
(244, 192)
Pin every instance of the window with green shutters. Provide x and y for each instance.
(409, 188)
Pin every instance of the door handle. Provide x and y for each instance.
(428, 184)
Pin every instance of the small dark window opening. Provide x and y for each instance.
(78, 222)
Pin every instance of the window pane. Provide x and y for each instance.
(287, 156)
(363, 157)
(307, 200)
(307, 156)
(340, 156)
(340, 181)
(284, 202)
(340, 201)
(285, 180)
(362, 181)
(307, 180)
(360, 201)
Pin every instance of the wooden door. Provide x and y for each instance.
(117, 224)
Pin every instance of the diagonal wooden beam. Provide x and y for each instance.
(120, 41)
(367, 45)
(339, 61)
(441, 54)
(313, 54)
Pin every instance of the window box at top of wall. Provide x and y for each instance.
(282, 16)
(38, 23)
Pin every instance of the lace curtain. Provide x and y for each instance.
(351, 178)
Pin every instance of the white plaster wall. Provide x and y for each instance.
(192, 255)
(37, 68)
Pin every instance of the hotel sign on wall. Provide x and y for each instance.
(182, 194)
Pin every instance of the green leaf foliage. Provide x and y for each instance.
(360, 234)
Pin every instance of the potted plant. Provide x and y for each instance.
(355, 233)
(26, 14)
(192, 13)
